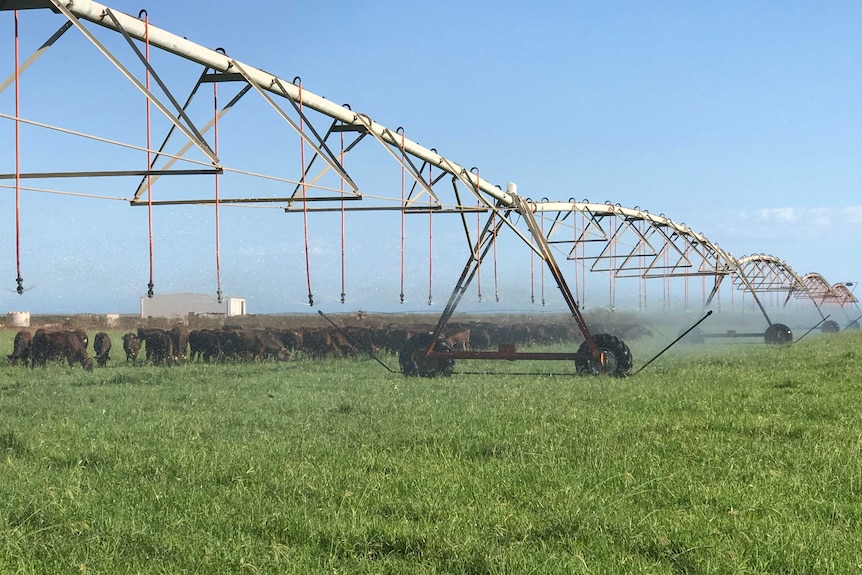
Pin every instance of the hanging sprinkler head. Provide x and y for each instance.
(150, 292)
(20, 289)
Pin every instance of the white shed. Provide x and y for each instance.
(182, 305)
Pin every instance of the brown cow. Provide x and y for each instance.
(21, 347)
(291, 339)
(57, 345)
(102, 348)
(251, 344)
(460, 340)
(361, 339)
(272, 346)
(131, 345)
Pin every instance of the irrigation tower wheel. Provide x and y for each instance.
(778, 333)
(616, 357)
(414, 361)
(830, 326)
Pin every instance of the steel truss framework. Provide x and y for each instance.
(820, 291)
(603, 237)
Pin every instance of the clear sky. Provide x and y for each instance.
(740, 119)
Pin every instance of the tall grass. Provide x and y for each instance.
(737, 459)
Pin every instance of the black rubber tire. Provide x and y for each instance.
(414, 362)
(778, 334)
(608, 343)
(830, 326)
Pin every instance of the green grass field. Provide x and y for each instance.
(739, 458)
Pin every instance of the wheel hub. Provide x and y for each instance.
(604, 364)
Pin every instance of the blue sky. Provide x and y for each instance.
(739, 119)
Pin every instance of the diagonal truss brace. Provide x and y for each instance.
(327, 157)
(205, 77)
(35, 56)
(189, 133)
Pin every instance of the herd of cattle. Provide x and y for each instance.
(167, 347)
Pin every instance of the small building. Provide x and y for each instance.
(18, 319)
(182, 305)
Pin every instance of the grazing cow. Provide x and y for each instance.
(159, 344)
(204, 343)
(317, 343)
(236, 343)
(251, 344)
(83, 335)
(341, 346)
(366, 338)
(480, 336)
(21, 347)
(291, 339)
(57, 345)
(180, 336)
(391, 338)
(460, 340)
(102, 348)
(271, 346)
(131, 345)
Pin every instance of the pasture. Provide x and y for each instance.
(739, 458)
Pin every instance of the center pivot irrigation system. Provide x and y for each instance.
(595, 237)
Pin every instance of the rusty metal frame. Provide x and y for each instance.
(819, 289)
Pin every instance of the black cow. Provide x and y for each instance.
(251, 345)
(21, 347)
(317, 343)
(131, 345)
(58, 345)
(180, 336)
(159, 343)
(204, 343)
(102, 348)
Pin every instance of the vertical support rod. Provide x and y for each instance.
(479, 232)
(403, 205)
(430, 234)
(304, 192)
(343, 267)
(150, 285)
(18, 280)
(217, 197)
(496, 278)
(532, 271)
(542, 271)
